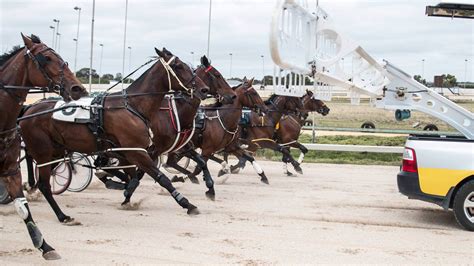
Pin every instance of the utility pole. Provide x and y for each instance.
(57, 31)
(230, 71)
(124, 41)
(100, 64)
(129, 62)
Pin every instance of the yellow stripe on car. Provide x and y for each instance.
(438, 181)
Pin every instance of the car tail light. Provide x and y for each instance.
(409, 161)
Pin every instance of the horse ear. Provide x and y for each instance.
(245, 79)
(166, 51)
(251, 81)
(159, 53)
(27, 40)
(205, 61)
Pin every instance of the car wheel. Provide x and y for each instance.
(463, 206)
(368, 125)
(430, 127)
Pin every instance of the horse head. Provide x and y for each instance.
(180, 76)
(249, 97)
(217, 83)
(45, 68)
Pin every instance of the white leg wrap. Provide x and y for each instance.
(285, 168)
(20, 207)
(257, 167)
(300, 159)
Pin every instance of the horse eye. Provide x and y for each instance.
(48, 58)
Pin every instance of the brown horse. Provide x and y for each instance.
(179, 111)
(33, 65)
(125, 132)
(289, 128)
(221, 124)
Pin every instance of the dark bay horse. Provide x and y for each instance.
(125, 129)
(36, 65)
(220, 129)
(179, 111)
(289, 128)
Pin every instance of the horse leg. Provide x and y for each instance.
(285, 161)
(45, 187)
(31, 185)
(303, 150)
(202, 165)
(225, 167)
(14, 188)
(270, 144)
(173, 162)
(256, 167)
(131, 185)
(144, 162)
(235, 169)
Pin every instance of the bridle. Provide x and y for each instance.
(170, 72)
(211, 78)
(40, 62)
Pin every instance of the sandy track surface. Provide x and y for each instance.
(331, 214)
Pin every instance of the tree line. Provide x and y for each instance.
(83, 76)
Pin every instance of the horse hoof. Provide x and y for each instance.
(299, 170)
(289, 174)
(193, 210)
(176, 179)
(51, 255)
(70, 222)
(265, 181)
(211, 196)
(194, 180)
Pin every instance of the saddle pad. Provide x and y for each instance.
(78, 112)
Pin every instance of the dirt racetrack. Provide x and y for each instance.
(331, 214)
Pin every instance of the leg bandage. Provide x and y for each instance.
(20, 207)
(300, 159)
(257, 167)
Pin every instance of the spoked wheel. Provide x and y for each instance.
(4, 197)
(61, 176)
(183, 162)
(81, 168)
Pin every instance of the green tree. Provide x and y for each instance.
(419, 79)
(84, 73)
(118, 77)
(449, 81)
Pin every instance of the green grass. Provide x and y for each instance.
(337, 157)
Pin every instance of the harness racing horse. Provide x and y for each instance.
(221, 125)
(260, 130)
(125, 132)
(36, 65)
(288, 131)
(179, 111)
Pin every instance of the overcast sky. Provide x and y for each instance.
(397, 30)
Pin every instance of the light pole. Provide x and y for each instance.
(230, 71)
(129, 61)
(59, 42)
(100, 64)
(465, 72)
(263, 70)
(57, 31)
(192, 58)
(209, 28)
(92, 46)
(124, 40)
(52, 41)
(77, 37)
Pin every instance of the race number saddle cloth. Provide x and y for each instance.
(86, 110)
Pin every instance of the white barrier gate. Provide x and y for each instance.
(305, 44)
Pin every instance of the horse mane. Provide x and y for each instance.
(6, 56)
(16, 49)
